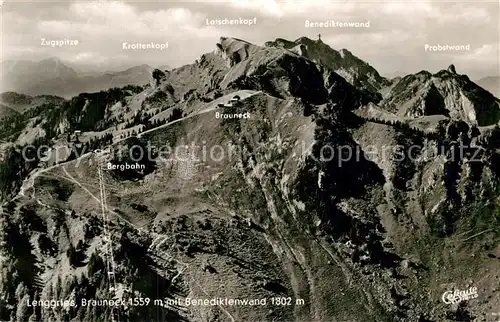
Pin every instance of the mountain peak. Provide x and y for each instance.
(234, 50)
(346, 64)
(452, 69)
(304, 40)
(230, 40)
(52, 59)
(443, 93)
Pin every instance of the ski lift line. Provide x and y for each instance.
(108, 244)
(106, 234)
(111, 254)
(105, 228)
(104, 207)
(105, 223)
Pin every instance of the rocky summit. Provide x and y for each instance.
(343, 196)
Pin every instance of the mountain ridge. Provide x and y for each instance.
(52, 76)
(444, 92)
(343, 62)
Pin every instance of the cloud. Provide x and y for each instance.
(293, 9)
(265, 7)
(403, 9)
(487, 53)
(118, 19)
(108, 10)
(395, 40)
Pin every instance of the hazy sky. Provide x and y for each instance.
(394, 42)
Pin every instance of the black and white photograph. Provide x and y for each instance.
(249, 160)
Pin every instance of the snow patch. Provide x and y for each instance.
(299, 204)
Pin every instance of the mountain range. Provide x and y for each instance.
(346, 196)
(54, 77)
(492, 84)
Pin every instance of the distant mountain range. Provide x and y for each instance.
(491, 83)
(54, 77)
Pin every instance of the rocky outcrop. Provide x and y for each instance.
(273, 70)
(343, 62)
(445, 93)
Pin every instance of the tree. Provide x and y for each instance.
(95, 264)
(23, 312)
(72, 254)
(176, 114)
(158, 75)
(58, 287)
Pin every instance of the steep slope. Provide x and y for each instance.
(6, 111)
(275, 71)
(343, 62)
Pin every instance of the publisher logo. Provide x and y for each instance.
(457, 296)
